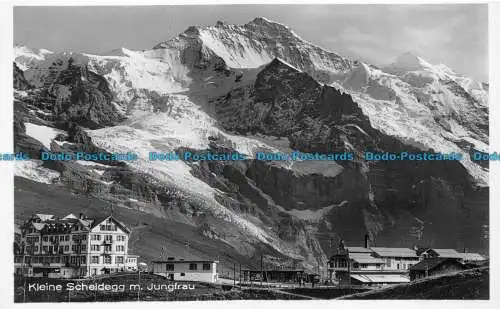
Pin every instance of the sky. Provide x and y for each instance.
(453, 34)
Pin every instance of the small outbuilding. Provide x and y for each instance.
(187, 270)
(434, 267)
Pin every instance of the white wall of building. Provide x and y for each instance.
(183, 272)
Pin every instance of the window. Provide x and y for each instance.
(66, 238)
(61, 238)
(83, 259)
(96, 237)
(388, 262)
(36, 248)
(95, 259)
(107, 259)
(102, 227)
(193, 266)
(45, 238)
(84, 237)
(107, 248)
(74, 248)
(45, 248)
(120, 248)
(84, 247)
(120, 238)
(95, 248)
(397, 266)
(183, 274)
(206, 266)
(170, 267)
(119, 260)
(108, 237)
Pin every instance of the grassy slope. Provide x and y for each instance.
(469, 284)
(149, 233)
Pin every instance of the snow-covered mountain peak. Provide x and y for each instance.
(25, 56)
(408, 62)
(257, 43)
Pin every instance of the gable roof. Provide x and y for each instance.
(44, 217)
(363, 258)
(70, 216)
(431, 263)
(469, 256)
(99, 220)
(447, 253)
(359, 250)
(396, 252)
(53, 223)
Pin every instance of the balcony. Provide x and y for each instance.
(338, 268)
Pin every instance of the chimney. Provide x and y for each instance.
(367, 241)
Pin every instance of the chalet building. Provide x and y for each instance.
(187, 270)
(441, 253)
(369, 265)
(72, 247)
(396, 258)
(434, 266)
(469, 258)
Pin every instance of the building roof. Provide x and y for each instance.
(363, 258)
(185, 261)
(431, 263)
(381, 278)
(447, 253)
(44, 217)
(53, 223)
(469, 256)
(396, 252)
(359, 250)
(98, 220)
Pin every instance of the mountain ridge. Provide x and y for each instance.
(232, 88)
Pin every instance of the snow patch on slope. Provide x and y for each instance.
(313, 215)
(43, 134)
(33, 170)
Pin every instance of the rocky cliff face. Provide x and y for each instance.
(260, 87)
(20, 82)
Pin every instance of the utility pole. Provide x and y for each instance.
(240, 276)
(139, 281)
(261, 268)
(348, 269)
(234, 274)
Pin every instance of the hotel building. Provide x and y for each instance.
(72, 247)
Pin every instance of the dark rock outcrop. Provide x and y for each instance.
(20, 81)
(82, 96)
